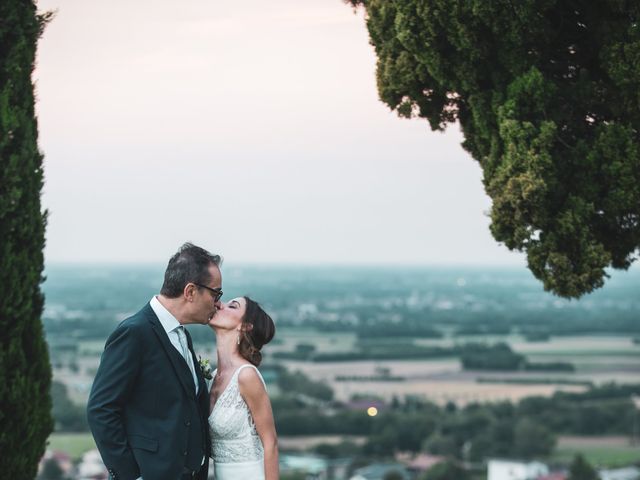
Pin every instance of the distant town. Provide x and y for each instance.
(383, 373)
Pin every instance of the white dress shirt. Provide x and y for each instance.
(170, 324)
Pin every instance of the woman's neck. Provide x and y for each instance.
(227, 350)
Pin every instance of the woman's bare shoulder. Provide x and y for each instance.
(250, 379)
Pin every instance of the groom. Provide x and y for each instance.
(149, 404)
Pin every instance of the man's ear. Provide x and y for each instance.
(189, 292)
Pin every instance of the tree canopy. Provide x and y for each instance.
(448, 470)
(25, 373)
(546, 93)
(580, 469)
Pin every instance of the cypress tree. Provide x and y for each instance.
(25, 372)
(580, 469)
(546, 94)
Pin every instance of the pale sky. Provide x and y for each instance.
(251, 128)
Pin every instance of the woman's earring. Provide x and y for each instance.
(238, 341)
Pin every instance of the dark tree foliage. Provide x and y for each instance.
(399, 432)
(25, 375)
(298, 382)
(532, 439)
(393, 475)
(491, 357)
(51, 470)
(448, 470)
(546, 93)
(68, 416)
(581, 470)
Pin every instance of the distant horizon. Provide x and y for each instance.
(633, 269)
(310, 264)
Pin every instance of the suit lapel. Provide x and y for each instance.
(203, 393)
(179, 365)
(202, 386)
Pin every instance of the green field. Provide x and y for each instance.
(604, 453)
(74, 444)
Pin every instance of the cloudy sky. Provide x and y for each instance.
(252, 128)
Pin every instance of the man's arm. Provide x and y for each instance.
(119, 366)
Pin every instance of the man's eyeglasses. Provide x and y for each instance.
(216, 292)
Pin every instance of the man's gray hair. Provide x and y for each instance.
(190, 264)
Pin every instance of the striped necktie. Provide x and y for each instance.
(182, 337)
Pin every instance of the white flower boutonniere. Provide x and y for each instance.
(205, 367)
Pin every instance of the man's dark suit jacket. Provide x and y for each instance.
(143, 410)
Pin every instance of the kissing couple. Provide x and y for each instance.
(152, 412)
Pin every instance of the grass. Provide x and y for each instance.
(602, 455)
(74, 444)
(586, 353)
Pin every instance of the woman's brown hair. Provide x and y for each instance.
(257, 330)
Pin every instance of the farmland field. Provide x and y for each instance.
(597, 359)
(599, 451)
(74, 444)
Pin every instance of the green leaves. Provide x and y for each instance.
(25, 374)
(580, 469)
(547, 95)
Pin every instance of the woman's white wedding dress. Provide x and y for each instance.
(236, 448)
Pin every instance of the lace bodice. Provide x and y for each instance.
(233, 432)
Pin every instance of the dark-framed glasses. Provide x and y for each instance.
(216, 292)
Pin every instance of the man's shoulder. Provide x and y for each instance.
(134, 328)
(139, 320)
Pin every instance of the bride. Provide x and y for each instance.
(243, 434)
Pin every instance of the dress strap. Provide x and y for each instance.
(255, 368)
(210, 381)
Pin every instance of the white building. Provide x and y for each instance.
(91, 467)
(628, 473)
(511, 470)
(313, 466)
(378, 471)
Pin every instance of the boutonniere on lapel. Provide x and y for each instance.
(205, 368)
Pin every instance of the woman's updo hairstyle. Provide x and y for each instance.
(258, 330)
